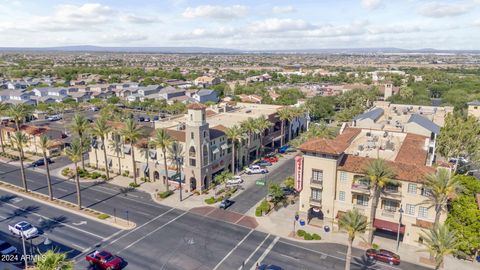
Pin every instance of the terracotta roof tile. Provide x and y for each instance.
(331, 146)
(412, 151)
(178, 135)
(196, 106)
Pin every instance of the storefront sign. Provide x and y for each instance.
(299, 173)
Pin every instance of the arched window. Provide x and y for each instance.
(191, 152)
(205, 154)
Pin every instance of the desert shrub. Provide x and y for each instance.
(165, 194)
(307, 236)
(301, 233)
(258, 212)
(133, 185)
(316, 237)
(210, 200)
(103, 216)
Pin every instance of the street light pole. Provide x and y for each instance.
(399, 226)
(24, 250)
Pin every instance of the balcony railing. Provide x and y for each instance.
(315, 201)
(361, 187)
(317, 183)
(392, 192)
(388, 213)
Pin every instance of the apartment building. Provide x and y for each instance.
(33, 134)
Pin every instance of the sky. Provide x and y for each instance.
(247, 25)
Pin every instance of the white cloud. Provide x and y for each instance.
(371, 4)
(476, 22)
(215, 12)
(131, 18)
(353, 29)
(438, 10)
(202, 33)
(283, 9)
(280, 25)
(123, 38)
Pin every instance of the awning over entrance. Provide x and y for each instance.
(127, 148)
(388, 226)
(215, 150)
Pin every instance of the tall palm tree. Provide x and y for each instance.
(132, 132)
(19, 140)
(262, 124)
(101, 129)
(235, 135)
(285, 114)
(117, 147)
(44, 144)
(379, 174)
(80, 126)
(353, 223)
(18, 112)
(440, 242)
(249, 126)
(223, 177)
(175, 155)
(162, 140)
(439, 188)
(74, 152)
(144, 146)
(3, 112)
(53, 260)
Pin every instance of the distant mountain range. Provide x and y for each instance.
(89, 48)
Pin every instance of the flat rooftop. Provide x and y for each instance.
(376, 144)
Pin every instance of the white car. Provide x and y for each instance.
(23, 228)
(54, 118)
(237, 179)
(255, 169)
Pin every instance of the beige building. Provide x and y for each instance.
(333, 181)
(206, 81)
(33, 134)
(474, 109)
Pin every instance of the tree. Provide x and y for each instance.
(262, 124)
(18, 112)
(289, 182)
(3, 112)
(353, 223)
(101, 129)
(223, 177)
(53, 260)
(440, 187)
(440, 242)
(315, 131)
(162, 140)
(19, 140)
(234, 134)
(285, 114)
(44, 144)
(74, 152)
(175, 151)
(117, 147)
(132, 132)
(320, 107)
(80, 126)
(249, 126)
(379, 174)
(406, 92)
(276, 192)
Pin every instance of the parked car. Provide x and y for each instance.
(271, 159)
(269, 267)
(54, 118)
(104, 260)
(147, 119)
(6, 248)
(255, 169)
(40, 162)
(25, 228)
(225, 204)
(237, 179)
(383, 255)
(284, 149)
(289, 191)
(263, 163)
(156, 118)
(141, 119)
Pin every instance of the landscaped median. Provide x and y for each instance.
(70, 207)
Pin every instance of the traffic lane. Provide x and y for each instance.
(253, 194)
(188, 242)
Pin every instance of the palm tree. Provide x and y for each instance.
(80, 126)
(235, 135)
(262, 124)
(249, 126)
(379, 174)
(175, 151)
(223, 177)
(162, 140)
(101, 129)
(439, 188)
(52, 260)
(440, 242)
(44, 144)
(144, 146)
(18, 112)
(117, 147)
(19, 140)
(285, 114)
(132, 132)
(353, 223)
(3, 112)
(74, 152)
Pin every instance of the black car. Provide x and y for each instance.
(225, 204)
(289, 191)
(269, 267)
(40, 162)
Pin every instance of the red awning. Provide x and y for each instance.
(388, 226)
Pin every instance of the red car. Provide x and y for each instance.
(383, 256)
(271, 159)
(104, 260)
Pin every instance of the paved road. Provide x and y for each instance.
(167, 238)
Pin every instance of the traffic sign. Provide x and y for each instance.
(260, 183)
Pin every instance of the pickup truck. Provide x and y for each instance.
(255, 169)
(104, 260)
(25, 228)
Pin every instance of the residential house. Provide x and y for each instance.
(206, 81)
(206, 95)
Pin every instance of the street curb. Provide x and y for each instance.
(5, 187)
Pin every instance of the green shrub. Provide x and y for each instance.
(375, 246)
(265, 206)
(301, 233)
(103, 216)
(307, 236)
(104, 177)
(133, 185)
(219, 199)
(165, 194)
(258, 212)
(95, 175)
(316, 237)
(66, 171)
(210, 200)
(220, 191)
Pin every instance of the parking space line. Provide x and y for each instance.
(233, 249)
(152, 232)
(255, 251)
(265, 253)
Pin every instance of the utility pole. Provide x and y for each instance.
(24, 250)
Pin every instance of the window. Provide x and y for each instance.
(341, 196)
(316, 195)
(317, 175)
(410, 209)
(343, 177)
(204, 134)
(205, 154)
(390, 206)
(191, 135)
(426, 192)
(193, 163)
(412, 188)
(391, 188)
(191, 152)
(422, 212)
(362, 200)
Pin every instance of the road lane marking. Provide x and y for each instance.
(62, 189)
(77, 246)
(152, 232)
(265, 253)
(255, 251)
(233, 249)
(65, 224)
(144, 224)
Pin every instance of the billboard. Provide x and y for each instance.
(299, 173)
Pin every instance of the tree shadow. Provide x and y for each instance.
(52, 223)
(364, 263)
(7, 198)
(23, 212)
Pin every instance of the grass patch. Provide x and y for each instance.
(103, 216)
